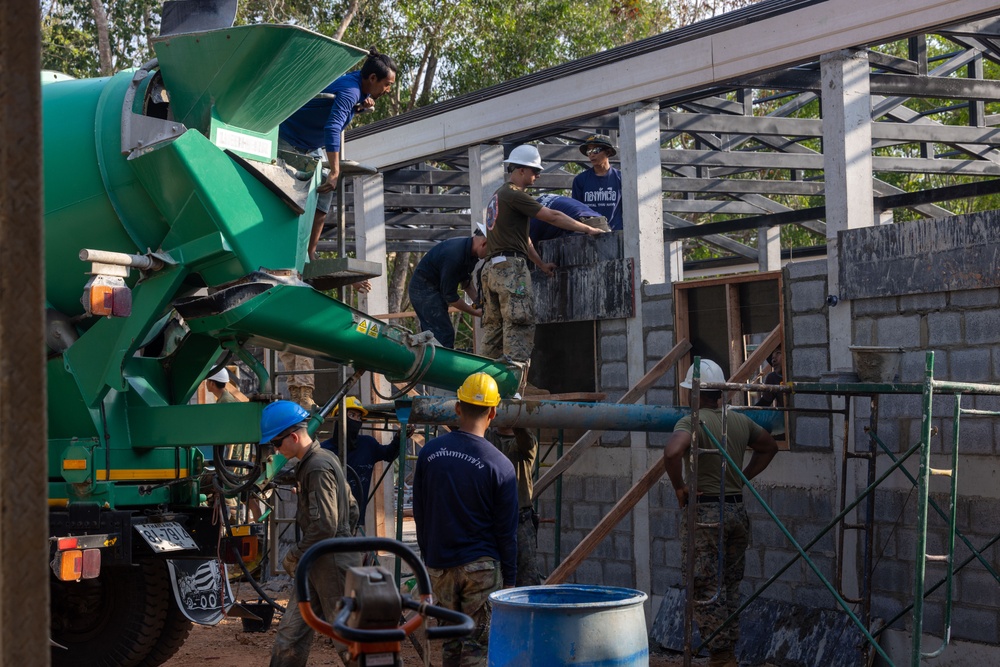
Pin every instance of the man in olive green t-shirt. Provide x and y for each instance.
(741, 433)
(508, 301)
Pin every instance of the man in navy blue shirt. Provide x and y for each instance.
(600, 186)
(320, 122)
(543, 231)
(435, 283)
(363, 452)
(465, 508)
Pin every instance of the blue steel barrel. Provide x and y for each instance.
(569, 624)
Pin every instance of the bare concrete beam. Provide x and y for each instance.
(24, 548)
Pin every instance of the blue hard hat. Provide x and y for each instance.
(279, 416)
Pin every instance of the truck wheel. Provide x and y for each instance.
(175, 632)
(114, 620)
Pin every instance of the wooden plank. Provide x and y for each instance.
(734, 326)
(631, 396)
(749, 367)
(605, 525)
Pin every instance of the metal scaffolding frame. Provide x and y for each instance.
(864, 620)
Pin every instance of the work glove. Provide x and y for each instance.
(290, 562)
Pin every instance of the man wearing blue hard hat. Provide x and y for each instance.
(326, 508)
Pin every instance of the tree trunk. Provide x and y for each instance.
(103, 38)
(352, 10)
(425, 94)
(398, 282)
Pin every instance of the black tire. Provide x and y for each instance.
(114, 620)
(175, 632)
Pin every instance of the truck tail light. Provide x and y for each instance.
(68, 565)
(91, 564)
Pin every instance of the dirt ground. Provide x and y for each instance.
(226, 645)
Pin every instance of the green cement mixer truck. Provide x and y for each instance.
(174, 238)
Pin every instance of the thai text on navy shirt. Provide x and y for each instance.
(601, 193)
(319, 122)
(465, 503)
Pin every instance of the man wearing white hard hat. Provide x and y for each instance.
(508, 300)
(439, 274)
(216, 385)
(713, 490)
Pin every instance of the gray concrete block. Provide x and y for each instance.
(810, 329)
(969, 365)
(589, 573)
(658, 343)
(787, 501)
(753, 564)
(974, 298)
(599, 489)
(977, 624)
(618, 574)
(806, 269)
(910, 303)
(622, 548)
(985, 513)
(944, 329)
(877, 306)
(657, 314)
(913, 366)
(899, 405)
(899, 330)
(572, 488)
(584, 516)
(808, 295)
(863, 331)
(615, 439)
(976, 436)
(608, 327)
(976, 587)
(662, 581)
(812, 432)
(657, 290)
(613, 348)
(809, 362)
(982, 327)
(657, 552)
(812, 401)
(614, 376)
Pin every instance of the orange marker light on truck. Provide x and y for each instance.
(68, 565)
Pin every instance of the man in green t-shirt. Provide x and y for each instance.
(741, 433)
(508, 300)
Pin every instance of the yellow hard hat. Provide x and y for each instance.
(479, 389)
(352, 404)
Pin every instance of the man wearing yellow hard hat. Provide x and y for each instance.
(465, 509)
(363, 452)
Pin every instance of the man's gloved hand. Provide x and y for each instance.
(290, 562)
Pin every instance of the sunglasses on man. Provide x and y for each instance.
(595, 150)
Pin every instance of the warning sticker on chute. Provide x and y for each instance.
(368, 328)
(373, 330)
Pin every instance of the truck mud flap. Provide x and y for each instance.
(200, 588)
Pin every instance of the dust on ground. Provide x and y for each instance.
(227, 645)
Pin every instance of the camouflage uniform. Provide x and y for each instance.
(736, 539)
(325, 508)
(521, 448)
(467, 588)
(508, 309)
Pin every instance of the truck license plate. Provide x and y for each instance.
(167, 536)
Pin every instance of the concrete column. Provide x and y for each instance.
(486, 174)
(24, 548)
(369, 239)
(769, 248)
(642, 214)
(847, 164)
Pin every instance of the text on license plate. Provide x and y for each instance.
(167, 536)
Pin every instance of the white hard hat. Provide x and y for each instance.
(710, 372)
(481, 227)
(222, 376)
(525, 155)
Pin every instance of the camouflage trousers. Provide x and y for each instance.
(527, 549)
(296, 362)
(736, 538)
(294, 640)
(508, 310)
(467, 589)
